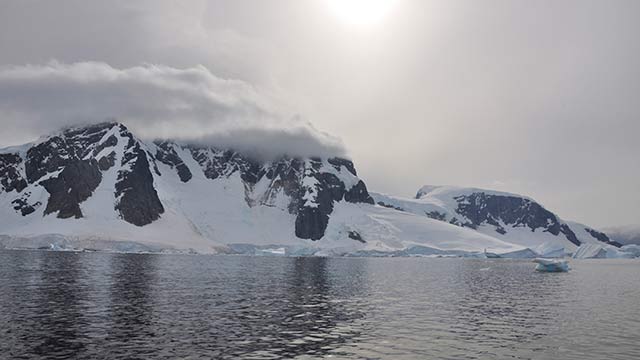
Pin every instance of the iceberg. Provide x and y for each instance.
(551, 265)
(590, 251)
(520, 254)
(550, 250)
(597, 251)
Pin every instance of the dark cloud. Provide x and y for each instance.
(155, 101)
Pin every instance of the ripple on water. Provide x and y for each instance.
(119, 306)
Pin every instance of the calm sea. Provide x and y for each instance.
(59, 305)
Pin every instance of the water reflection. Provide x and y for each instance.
(306, 319)
(58, 314)
(130, 311)
(48, 286)
(273, 308)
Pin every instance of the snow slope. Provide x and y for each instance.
(512, 218)
(629, 234)
(100, 187)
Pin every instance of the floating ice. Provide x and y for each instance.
(598, 251)
(551, 265)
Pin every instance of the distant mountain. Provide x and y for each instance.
(100, 187)
(510, 217)
(629, 234)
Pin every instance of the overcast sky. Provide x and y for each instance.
(534, 97)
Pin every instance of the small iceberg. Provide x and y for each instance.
(551, 265)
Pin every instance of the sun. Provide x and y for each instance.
(361, 12)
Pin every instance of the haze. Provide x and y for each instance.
(540, 98)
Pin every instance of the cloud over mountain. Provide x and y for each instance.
(156, 101)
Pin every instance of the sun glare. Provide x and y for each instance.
(361, 12)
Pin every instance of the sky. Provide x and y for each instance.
(540, 98)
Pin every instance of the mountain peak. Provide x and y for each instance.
(506, 215)
(102, 171)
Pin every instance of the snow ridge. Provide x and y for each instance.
(99, 187)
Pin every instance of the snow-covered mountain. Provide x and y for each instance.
(100, 187)
(629, 234)
(510, 217)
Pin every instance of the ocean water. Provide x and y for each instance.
(60, 305)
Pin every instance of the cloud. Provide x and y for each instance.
(156, 101)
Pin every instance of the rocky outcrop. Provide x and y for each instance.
(498, 210)
(60, 150)
(600, 236)
(166, 154)
(71, 164)
(22, 204)
(138, 202)
(312, 185)
(321, 190)
(72, 186)
(107, 162)
(10, 177)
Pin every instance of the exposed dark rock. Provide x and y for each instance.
(107, 162)
(10, 177)
(481, 208)
(313, 215)
(356, 236)
(110, 142)
(139, 203)
(311, 222)
(77, 157)
(83, 137)
(313, 218)
(58, 151)
(359, 194)
(329, 187)
(390, 206)
(213, 164)
(287, 175)
(600, 236)
(71, 187)
(22, 205)
(338, 162)
(166, 154)
(571, 236)
(45, 158)
(436, 215)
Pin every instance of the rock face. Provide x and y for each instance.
(498, 210)
(510, 216)
(75, 184)
(167, 155)
(138, 199)
(625, 235)
(313, 185)
(603, 237)
(73, 164)
(321, 189)
(10, 177)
